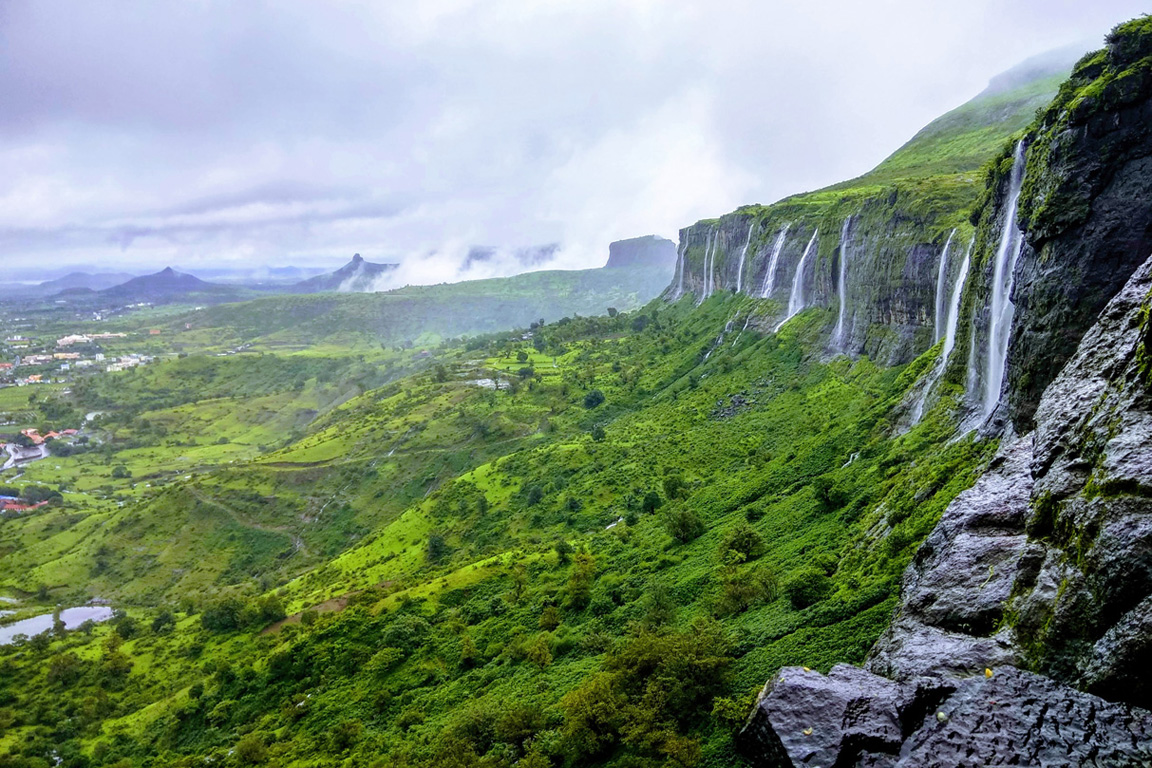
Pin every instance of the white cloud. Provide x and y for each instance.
(215, 133)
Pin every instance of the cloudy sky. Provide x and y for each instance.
(204, 134)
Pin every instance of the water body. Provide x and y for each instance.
(743, 255)
(796, 298)
(72, 618)
(842, 283)
(941, 280)
(1003, 277)
(770, 275)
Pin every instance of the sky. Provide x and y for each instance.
(205, 134)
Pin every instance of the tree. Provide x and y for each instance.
(598, 433)
(580, 580)
(593, 399)
(121, 472)
(683, 524)
(806, 587)
(563, 552)
(743, 539)
(652, 502)
(437, 548)
(164, 622)
(612, 312)
(251, 750)
(521, 356)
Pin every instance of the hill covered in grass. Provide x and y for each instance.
(429, 313)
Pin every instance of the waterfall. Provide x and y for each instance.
(972, 378)
(770, 275)
(941, 278)
(680, 268)
(712, 266)
(951, 322)
(954, 303)
(796, 299)
(707, 255)
(743, 254)
(1000, 320)
(841, 282)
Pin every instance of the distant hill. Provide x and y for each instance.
(445, 310)
(165, 286)
(357, 276)
(648, 251)
(93, 282)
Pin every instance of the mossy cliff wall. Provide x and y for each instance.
(894, 241)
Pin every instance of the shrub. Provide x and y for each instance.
(437, 548)
(251, 750)
(593, 399)
(742, 539)
(683, 524)
(806, 587)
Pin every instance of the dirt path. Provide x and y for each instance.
(297, 542)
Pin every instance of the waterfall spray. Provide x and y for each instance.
(796, 299)
(1007, 254)
(951, 322)
(707, 254)
(841, 283)
(743, 255)
(770, 275)
(680, 269)
(941, 279)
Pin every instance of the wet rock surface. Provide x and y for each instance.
(954, 591)
(854, 718)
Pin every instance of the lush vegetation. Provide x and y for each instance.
(587, 545)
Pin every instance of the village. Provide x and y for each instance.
(31, 362)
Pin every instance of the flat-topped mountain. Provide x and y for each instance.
(647, 251)
(357, 276)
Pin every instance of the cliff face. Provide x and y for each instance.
(1086, 209)
(891, 253)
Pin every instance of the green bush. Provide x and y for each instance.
(806, 587)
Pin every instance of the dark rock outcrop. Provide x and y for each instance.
(1046, 562)
(953, 594)
(1009, 717)
(1083, 608)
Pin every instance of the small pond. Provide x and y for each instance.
(72, 617)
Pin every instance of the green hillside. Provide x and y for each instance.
(427, 313)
